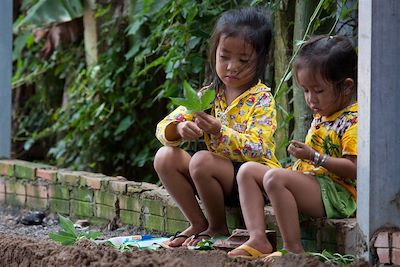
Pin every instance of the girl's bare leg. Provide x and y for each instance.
(213, 177)
(172, 167)
(289, 193)
(250, 182)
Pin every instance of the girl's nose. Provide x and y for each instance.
(232, 66)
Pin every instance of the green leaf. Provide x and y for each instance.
(192, 97)
(67, 225)
(124, 125)
(207, 99)
(62, 238)
(92, 235)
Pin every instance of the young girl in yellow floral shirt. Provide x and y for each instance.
(322, 181)
(240, 128)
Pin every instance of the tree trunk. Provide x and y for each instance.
(90, 32)
(302, 114)
(283, 29)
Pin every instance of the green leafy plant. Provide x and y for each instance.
(204, 245)
(69, 235)
(335, 258)
(193, 101)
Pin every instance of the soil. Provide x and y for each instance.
(22, 245)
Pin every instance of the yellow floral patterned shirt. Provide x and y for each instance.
(336, 136)
(248, 126)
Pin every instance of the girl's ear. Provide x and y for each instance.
(348, 86)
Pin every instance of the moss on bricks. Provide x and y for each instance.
(105, 212)
(310, 245)
(154, 222)
(173, 226)
(37, 203)
(174, 213)
(59, 206)
(130, 217)
(66, 177)
(105, 198)
(308, 230)
(7, 168)
(234, 218)
(2, 198)
(15, 200)
(81, 209)
(36, 190)
(25, 170)
(131, 203)
(152, 206)
(82, 194)
(59, 192)
(15, 187)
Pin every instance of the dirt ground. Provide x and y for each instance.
(22, 245)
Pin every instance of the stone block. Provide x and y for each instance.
(383, 255)
(7, 167)
(396, 240)
(105, 198)
(94, 180)
(59, 191)
(59, 206)
(131, 203)
(82, 194)
(14, 186)
(135, 187)
(47, 174)
(2, 198)
(67, 177)
(105, 212)
(130, 217)
(37, 203)
(117, 186)
(36, 190)
(25, 170)
(154, 222)
(173, 226)
(173, 212)
(152, 206)
(396, 256)
(81, 209)
(15, 200)
(382, 240)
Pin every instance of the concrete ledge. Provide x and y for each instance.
(101, 198)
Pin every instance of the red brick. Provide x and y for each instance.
(383, 255)
(382, 240)
(396, 256)
(396, 240)
(49, 175)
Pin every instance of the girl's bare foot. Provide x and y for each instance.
(179, 238)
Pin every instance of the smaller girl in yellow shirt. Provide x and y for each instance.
(240, 128)
(322, 182)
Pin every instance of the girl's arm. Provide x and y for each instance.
(178, 125)
(343, 167)
(255, 142)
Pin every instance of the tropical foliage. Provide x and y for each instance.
(103, 117)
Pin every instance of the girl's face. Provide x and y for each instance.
(320, 95)
(235, 62)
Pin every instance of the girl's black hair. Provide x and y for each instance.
(251, 24)
(334, 58)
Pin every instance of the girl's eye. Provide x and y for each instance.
(319, 91)
(244, 61)
(223, 56)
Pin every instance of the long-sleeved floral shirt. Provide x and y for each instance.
(247, 126)
(335, 136)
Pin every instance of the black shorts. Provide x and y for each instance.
(233, 199)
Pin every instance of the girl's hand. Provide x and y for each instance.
(188, 130)
(208, 123)
(300, 150)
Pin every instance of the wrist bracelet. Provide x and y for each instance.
(316, 161)
(324, 159)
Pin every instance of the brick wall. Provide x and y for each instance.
(102, 198)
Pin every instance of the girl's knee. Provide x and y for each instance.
(200, 162)
(273, 180)
(245, 172)
(163, 157)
